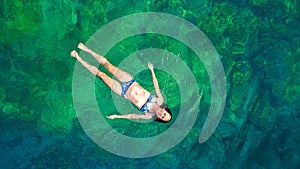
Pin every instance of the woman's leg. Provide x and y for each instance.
(121, 75)
(111, 83)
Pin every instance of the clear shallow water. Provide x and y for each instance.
(259, 46)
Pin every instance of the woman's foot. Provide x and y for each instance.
(83, 47)
(102, 60)
(89, 67)
(74, 54)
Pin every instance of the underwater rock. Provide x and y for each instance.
(242, 92)
(226, 28)
(206, 162)
(296, 118)
(226, 130)
(241, 73)
(259, 3)
(59, 113)
(121, 8)
(279, 90)
(168, 160)
(263, 115)
(266, 158)
(251, 139)
(20, 145)
(8, 136)
(2, 96)
(21, 19)
(295, 61)
(197, 4)
(59, 66)
(10, 110)
(283, 117)
(59, 17)
(277, 67)
(291, 158)
(6, 54)
(142, 5)
(98, 9)
(292, 94)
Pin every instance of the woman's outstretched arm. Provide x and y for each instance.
(146, 116)
(160, 99)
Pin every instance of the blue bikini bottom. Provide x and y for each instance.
(125, 86)
(145, 107)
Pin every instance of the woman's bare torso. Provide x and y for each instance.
(137, 95)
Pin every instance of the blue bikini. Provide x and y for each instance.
(151, 98)
(125, 86)
(145, 107)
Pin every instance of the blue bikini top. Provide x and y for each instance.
(145, 107)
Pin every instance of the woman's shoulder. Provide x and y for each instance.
(158, 100)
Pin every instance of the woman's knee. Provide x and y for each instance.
(111, 68)
(101, 74)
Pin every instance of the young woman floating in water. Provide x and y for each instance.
(152, 106)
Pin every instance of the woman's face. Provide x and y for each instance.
(164, 115)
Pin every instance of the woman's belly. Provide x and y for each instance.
(137, 95)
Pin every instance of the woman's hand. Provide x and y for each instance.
(150, 66)
(112, 116)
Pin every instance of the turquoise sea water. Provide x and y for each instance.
(258, 43)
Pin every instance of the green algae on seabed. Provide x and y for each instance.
(21, 19)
